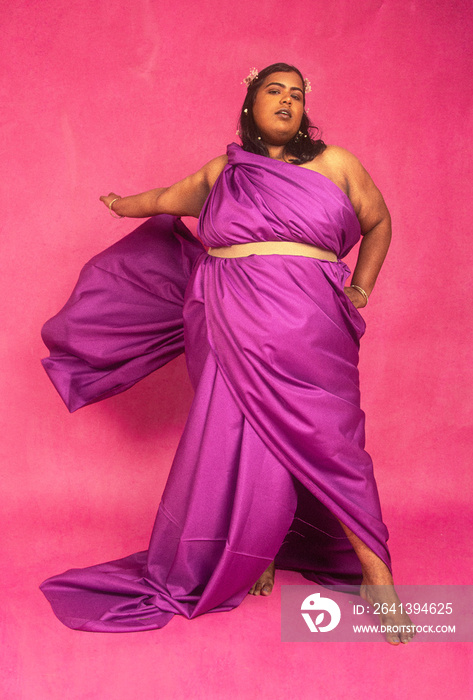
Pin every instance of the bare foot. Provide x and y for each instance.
(264, 585)
(377, 588)
(385, 602)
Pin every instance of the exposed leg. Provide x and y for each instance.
(377, 587)
(264, 585)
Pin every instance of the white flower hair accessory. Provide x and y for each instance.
(252, 75)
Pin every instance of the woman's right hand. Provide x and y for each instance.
(106, 199)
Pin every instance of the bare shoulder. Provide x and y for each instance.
(346, 171)
(338, 165)
(358, 181)
(365, 197)
(340, 158)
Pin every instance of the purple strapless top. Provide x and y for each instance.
(260, 199)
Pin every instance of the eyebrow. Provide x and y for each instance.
(283, 86)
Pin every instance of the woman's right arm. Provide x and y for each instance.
(184, 198)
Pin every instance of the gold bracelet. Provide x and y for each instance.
(362, 292)
(112, 213)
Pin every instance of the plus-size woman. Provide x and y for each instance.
(271, 469)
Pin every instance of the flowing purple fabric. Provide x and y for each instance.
(124, 317)
(272, 455)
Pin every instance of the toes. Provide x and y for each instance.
(261, 588)
(264, 585)
(406, 638)
(256, 589)
(397, 639)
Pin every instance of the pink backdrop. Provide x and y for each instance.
(128, 96)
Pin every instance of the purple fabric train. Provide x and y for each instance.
(272, 455)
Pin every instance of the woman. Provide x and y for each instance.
(273, 450)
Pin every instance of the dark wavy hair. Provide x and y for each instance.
(302, 148)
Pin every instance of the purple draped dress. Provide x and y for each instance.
(272, 454)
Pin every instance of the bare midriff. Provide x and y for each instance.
(242, 250)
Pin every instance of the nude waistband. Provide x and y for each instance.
(242, 250)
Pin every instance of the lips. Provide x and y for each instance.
(284, 113)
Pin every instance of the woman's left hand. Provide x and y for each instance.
(356, 297)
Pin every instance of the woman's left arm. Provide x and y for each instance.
(375, 222)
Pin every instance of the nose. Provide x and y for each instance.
(286, 98)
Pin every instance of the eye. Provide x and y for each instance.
(273, 91)
(297, 97)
